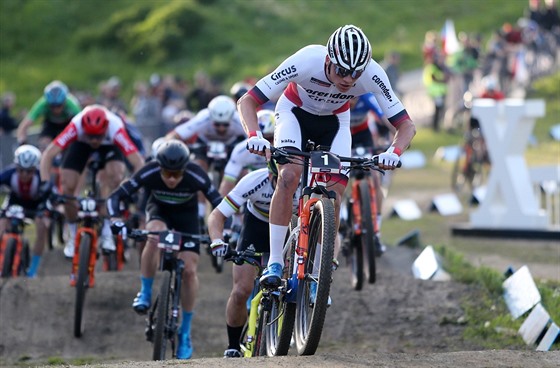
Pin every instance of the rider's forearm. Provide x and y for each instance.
(247, 108)
(22, 130)
(216, 222)
(405, 132)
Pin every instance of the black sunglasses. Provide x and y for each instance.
(24, 170)
(221, 124)
(342, 72)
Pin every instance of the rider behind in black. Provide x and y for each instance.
(173, 184)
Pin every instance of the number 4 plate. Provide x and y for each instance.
(324, 162)
(169, 240)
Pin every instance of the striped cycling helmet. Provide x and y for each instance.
(349, 48)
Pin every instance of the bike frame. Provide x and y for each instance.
(356, 203)
(15, 231)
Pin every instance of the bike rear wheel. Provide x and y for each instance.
(368, 234)
(310, 314)
(10, 249)
(82, 282)
(281, 317)
(161, 317)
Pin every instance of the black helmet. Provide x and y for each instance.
(173, 155)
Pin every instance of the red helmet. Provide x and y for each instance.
(94, 120)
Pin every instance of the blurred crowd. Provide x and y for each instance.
(157, 105)
(458, 68)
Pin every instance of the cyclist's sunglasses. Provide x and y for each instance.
(168, 174)
(55, 106)
(225, 125)
(26, 171)
(342, 72)
(95, 137)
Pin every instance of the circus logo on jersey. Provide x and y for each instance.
(383, 87)
(285, 74)
(320, 82)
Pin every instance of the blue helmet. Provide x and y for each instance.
(55, 93)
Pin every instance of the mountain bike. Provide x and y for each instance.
(472, 166)
(82, 276)
(309, 248)
(162, 323)
(14, 248)
(86, 247)
(360, 244)
(253, 337)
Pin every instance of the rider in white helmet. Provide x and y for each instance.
(315, 85)
(22, 180)
(216, 125)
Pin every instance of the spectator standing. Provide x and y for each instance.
(435, 76)
(8, 123)
(110, 95)
(391, 65)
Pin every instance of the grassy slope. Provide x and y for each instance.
(38, 39)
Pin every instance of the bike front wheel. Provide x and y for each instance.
(161, 317)
(313, 291)
(82, 282)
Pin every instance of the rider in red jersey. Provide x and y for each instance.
(94, 130)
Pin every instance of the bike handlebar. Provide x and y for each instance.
(241, 257)
(141, 234)
(284, 155)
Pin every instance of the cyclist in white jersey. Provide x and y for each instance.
(316, 84)
(219, 122)
(255, 189)
(241, 159)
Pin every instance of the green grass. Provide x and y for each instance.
(84, 42)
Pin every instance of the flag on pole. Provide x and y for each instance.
(450, 43)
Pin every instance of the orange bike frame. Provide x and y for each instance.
(92, 254)
(356, 210)
(17, 256)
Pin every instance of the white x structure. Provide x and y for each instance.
(510, 200)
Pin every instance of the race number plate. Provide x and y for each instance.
(169, 240)
(324, 162)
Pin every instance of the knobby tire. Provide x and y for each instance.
(356, 255)
(310, 319)
(367, 237)
(10, 250)
(162, 316)
(82, 281)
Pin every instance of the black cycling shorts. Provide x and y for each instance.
(255, 234)
(178, 218)
(52, 130)
(319, 129)
(75, 156)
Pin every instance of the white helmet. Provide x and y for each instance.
(349, 48)
(156, 144)
(266, 122)
(239, 89)
(27, 156)
(221, 109)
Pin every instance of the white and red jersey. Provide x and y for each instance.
(256, 190)
(202, 126)
(302, 79)
(116, 134)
